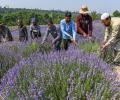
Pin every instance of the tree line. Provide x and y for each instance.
(9, 16)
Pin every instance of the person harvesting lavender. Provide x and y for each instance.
(84, 22)
(23, 33)
(55, 32)
(112, 35)
(68, 32)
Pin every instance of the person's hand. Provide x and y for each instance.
(53, 45)
(103, 47)
(84, 35)
(89, 37)
(102, 44)
(4, 40)
(42, 43)
(89, 34)
(53, 42)
(74, 42)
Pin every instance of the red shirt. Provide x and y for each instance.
(84, 24)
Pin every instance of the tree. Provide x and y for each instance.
(95, 15)
(116, 13)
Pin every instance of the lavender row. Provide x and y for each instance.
(73, 71)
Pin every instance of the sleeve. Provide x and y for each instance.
(39, 31)
(73, 30)
(30, 28)
(31, 31)
(79, 29)
(114, 35)
(63, 30)
(58, 34)
(106, 37)
(9, 35)
(26, 33)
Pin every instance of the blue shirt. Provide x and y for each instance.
(67, 30)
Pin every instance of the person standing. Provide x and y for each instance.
(23, 33)
(112, 36)
(35, 29)
(84, 22)
(67, 27)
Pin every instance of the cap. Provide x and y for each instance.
(105, 16)
(68, 14)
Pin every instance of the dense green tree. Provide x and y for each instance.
(9, 16)
(116, 13)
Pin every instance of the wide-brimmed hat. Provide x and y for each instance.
(84, 10)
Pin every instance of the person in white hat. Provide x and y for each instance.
(112, 35)
(84, 22)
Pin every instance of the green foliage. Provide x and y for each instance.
(35, 47)
(5, 64)
(91, 47)
(30, 49)
(95, 15)
(55, 84)
(14, 48)
(107, 55)
(116, 13)
(94, 47)
(10, 16)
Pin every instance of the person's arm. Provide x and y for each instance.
(90, 27)
(39, 31)
(9, 35)
(26, 33)
(114, 35)
(79, 29)
(63, 30)
(58, 34)
(106, 37)
(45, 36)
(73, 31)
(31, 34)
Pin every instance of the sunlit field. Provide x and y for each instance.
(31, 71)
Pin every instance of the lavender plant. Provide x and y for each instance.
(61, 75)
(76, 74)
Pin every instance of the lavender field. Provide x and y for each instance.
(31, 71)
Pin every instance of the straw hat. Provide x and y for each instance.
(84, 10)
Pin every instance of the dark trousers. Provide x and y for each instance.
(57, 46)
(36, 35)
(65, 43)
(22, 39)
